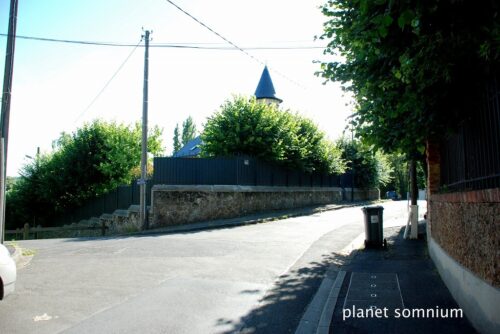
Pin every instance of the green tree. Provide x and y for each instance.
(414, 67)
(371, 169)
(188, 130)
(399, 177)
(85, 164)
(177, 141)
(10, 182)
(245, 126)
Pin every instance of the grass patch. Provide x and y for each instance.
(129, 228)
(12, 243)
(28, 252)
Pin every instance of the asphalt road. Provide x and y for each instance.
(253, 278)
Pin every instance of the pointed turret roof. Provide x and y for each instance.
(265, 88)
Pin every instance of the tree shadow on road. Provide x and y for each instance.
(281, 309)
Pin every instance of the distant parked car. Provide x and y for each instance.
(8, 272)
(391, 194)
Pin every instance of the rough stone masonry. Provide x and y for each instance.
(176, 205)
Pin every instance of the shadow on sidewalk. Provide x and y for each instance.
(420, 285)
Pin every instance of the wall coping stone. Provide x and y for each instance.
(234, 188)
(136, 208)
(477, 196)
(120, 213)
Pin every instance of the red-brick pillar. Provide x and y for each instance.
(433, 176)
(434, 167)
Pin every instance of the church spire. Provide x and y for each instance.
(265, 89)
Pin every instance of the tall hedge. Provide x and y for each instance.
(83, 165)
(246, 126)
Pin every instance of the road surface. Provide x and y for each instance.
(253, 278)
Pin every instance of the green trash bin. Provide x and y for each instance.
(374, 227)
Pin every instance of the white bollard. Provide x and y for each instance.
(414, 221)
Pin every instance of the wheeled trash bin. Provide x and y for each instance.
(374, 225)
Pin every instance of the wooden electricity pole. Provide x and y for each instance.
(143, 216)
(5, 112)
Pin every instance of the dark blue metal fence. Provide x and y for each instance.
(120, 198)
(470, 158)
(243, 171)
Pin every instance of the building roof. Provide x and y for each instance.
(265, 88)
(191, 149)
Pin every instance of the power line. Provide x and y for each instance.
(231, 43)
(200, 46)
(108, 82)
(215, 32)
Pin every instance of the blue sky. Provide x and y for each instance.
(54, 83)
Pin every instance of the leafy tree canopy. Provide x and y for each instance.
(399, 175)
(85, 164)
(371, 169)
(245, 126)
(414, 67)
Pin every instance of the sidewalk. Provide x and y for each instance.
(402, 287)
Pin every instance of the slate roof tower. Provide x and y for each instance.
(265, 89)
(264, 93)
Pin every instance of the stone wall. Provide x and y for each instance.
(176, 205)
(467, 226)
(463, 232)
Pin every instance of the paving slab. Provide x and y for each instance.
(404, 281)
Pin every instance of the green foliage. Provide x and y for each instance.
(371, 168)
(399, 176)
(188, 130)
(10, 182)
(414, 67)
(85, 164)
(244, 126)
(177, 141)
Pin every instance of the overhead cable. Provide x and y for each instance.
(231, 43)
(201, 46)
(108, 82)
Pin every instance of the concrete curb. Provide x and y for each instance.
(326, 315)
(318, 315)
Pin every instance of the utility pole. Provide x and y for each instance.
(143, 216)
(5, 112)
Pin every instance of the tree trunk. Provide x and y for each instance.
(413, 182)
